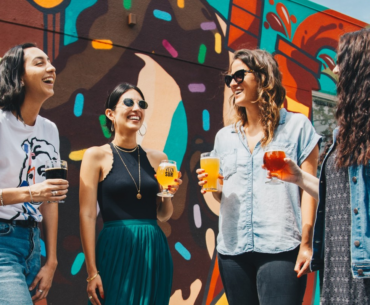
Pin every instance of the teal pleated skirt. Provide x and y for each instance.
(134, 262)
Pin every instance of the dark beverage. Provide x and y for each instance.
(56, 173)
(274, 160)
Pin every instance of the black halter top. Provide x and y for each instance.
(117, 193)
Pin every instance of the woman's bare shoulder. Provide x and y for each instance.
(98, 152)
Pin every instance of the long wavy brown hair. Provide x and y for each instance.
(353, 88)
(271, 93)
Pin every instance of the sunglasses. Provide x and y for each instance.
(129, 102)
(238, 76)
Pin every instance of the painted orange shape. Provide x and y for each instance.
(102, 44)
(48, 3)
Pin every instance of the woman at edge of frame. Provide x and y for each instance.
(343, 213)
(131, 263)
(265, 231)
(27, 140)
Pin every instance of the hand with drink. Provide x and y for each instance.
(208, 174)
(168, 177)
(273, 161)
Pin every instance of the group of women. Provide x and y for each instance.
(270, 236)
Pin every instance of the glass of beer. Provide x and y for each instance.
(166, 175)
(211, 166)
(56, 169)
(274, 162)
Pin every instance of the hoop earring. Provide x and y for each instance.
(144, 132)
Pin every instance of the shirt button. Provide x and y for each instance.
(355, 210)
(360, 272)
(357, 243)
(354, 179)
(249, 193)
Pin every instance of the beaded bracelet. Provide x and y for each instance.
(91, 278)
(1, 198)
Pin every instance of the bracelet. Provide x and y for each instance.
(1, 198)
(91, 278)
(29, 190)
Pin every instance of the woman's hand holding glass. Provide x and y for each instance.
(291, 172)
(166, 176)
(49, 190)
(202, 177)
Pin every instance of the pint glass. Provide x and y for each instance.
(56, 169)
(274, 162)
(166, 175)
(210, 165)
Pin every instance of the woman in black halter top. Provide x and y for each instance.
(131, 263)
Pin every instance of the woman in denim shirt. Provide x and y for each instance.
(341, 234)
(265, 231)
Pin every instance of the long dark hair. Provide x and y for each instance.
(114, 97)
(353, 113)
(271, 93)
(12, 90)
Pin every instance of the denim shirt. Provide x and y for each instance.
(359, 184)
(255, 216)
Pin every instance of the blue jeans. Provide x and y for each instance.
(20, 261)
(262, 279)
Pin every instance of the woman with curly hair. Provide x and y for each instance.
(265, 230)
(341, 243)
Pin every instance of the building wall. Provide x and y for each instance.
(176, 53)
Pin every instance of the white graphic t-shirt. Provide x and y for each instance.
(23, 152)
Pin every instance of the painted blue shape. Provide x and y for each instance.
(79, 105)
(177, 139)
(221, 6)
(77, 264)
(183, 251)
(73, 10)
(206, 120)
(43, 249)
(162, 15)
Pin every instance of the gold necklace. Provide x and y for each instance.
(128, 151)
(138, 196)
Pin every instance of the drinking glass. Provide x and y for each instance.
(166, 175)
(274, 162)
(211, 165)
(56, 169)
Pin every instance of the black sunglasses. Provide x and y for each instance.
(129, 102)
(238, 76)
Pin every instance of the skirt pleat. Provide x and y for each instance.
(134, 262)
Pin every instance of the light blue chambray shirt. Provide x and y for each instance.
(255, 216)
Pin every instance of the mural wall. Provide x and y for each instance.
(176, 53)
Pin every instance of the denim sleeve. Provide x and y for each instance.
(216, 151)
(307, 140)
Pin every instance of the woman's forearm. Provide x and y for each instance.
(309, 184)
(165, 209)
(50, 224)
(15, 195)
(87, 229)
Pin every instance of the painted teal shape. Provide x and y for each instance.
(73, 10)
(77, 264)
(104, 128)
(162, 15)
(177, 138)
(221, 6)
(301, 9)
(183, 251)
(202, 53)
(127, 4)
(79, 105)
(43, 249)
(206, 120)
(317, 290)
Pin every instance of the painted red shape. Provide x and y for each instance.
(328, 60)
(245, 20)
(275, 23)
(284, 16)
(293, 18)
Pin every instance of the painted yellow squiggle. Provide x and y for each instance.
(176, 298)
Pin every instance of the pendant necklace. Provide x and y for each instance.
(138, 196)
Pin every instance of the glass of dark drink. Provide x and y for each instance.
(56, 169)
(274, 162)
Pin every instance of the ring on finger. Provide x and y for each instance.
(41, 291)
(54, 193)
(90, 297)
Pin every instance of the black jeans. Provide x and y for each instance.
(258, 278)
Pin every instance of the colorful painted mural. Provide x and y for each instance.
(176, 53)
